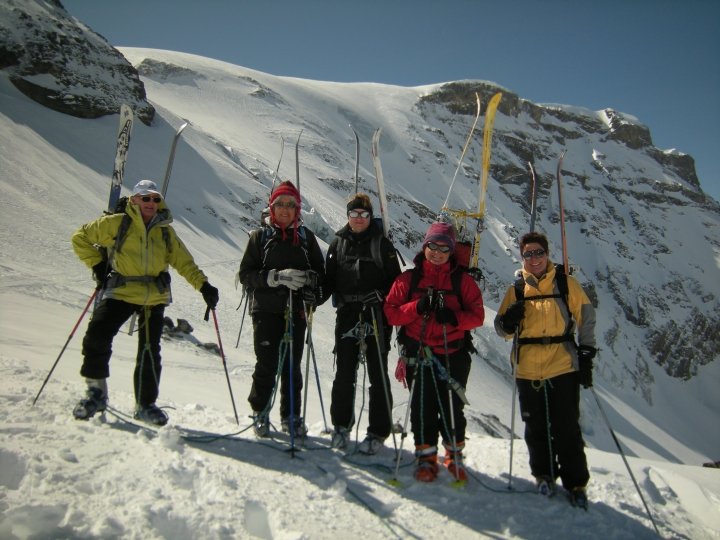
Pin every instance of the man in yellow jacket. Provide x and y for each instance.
(550, 366)
(134, 279)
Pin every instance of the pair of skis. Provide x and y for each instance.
(460, 216)
(297, 162)
(121, 151)
(382, 196)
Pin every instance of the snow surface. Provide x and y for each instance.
(204, 475)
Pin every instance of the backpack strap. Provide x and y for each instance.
(269, 234)
(563, 292)
(455, 282)
(123, 230)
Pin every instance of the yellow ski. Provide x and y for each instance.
(487, 147)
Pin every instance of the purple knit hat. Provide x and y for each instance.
(440, 232)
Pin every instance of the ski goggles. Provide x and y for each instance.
(280, 204)
(537, 253)
(432, 246)
(359, 214)
(148, 198)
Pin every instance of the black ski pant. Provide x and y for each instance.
(108, 317)
(269, 334)
(359, 322)
(551, 412)
(430, 406)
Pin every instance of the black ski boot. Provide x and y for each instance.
(578, 498)
(95, 401)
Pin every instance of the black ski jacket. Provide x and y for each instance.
(267, 250)
(355, 273)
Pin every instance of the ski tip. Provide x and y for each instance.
(458, 484)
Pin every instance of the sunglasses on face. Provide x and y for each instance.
(537, 253)
(147, 198)
(359, 214)
(279, 204)
(432, 246)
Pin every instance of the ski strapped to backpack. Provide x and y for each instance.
(563, 292)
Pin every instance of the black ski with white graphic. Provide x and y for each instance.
(121, 150)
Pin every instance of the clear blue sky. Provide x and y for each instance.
(658, 60)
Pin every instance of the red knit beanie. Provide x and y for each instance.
(440, 232)
(286, 188)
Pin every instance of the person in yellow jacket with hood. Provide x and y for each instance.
(134, 279)
(550, 366)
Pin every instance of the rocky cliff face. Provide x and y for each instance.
(626, 198)
(57, 61)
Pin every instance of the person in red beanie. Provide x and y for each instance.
(281, 267)
(436, 304)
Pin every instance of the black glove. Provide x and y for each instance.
(100, 274)
(510, 320)
(425, 305)
(210, 295)
(445, 315)
(585, 355)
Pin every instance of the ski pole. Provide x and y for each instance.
(516, 360)
(311, 350)
(627, 465)
(244, 301)
(72, 333)
(382, 361)
(403, 435)
(420, 358)
(308, 318)
(453, 434)
(291, 372)
(222, 355)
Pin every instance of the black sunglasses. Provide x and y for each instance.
(280, 204)
(147, 198)
(534, 253)
(432, 246)
(359, 214)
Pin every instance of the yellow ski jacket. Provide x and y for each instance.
(546, 318)
(145, 253)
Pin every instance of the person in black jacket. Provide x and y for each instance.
(361, 266)
(280, 268)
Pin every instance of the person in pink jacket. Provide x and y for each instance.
(436, 304)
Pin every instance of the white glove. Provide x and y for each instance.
(290, 278)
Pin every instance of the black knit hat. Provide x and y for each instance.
(360, 200)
